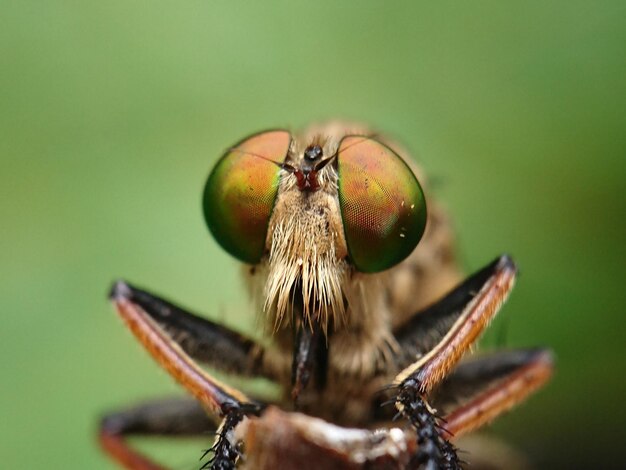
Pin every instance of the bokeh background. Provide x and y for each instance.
(112, 113)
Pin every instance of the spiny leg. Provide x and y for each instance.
(448, 329)
(171, 417)
(434, 451)
(217, 398)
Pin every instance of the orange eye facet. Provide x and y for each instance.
(240, 193)
(382, 204)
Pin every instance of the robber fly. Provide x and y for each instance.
(364, 312)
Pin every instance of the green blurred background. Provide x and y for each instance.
(112, 114)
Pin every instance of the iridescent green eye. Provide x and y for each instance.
(240, 193)
(382, 204)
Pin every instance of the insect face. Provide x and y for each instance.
(312, 211)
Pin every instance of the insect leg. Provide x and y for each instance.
(202, 339)
(445, 331)
(434, 451)
(179, 417)
(217, 398)
(481, 389)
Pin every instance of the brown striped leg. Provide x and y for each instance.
(173, 417)
(442, 334)
(202, 339)
(217, 398)
(487, 386)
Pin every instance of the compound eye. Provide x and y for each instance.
(382, 204)
(240, 193)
